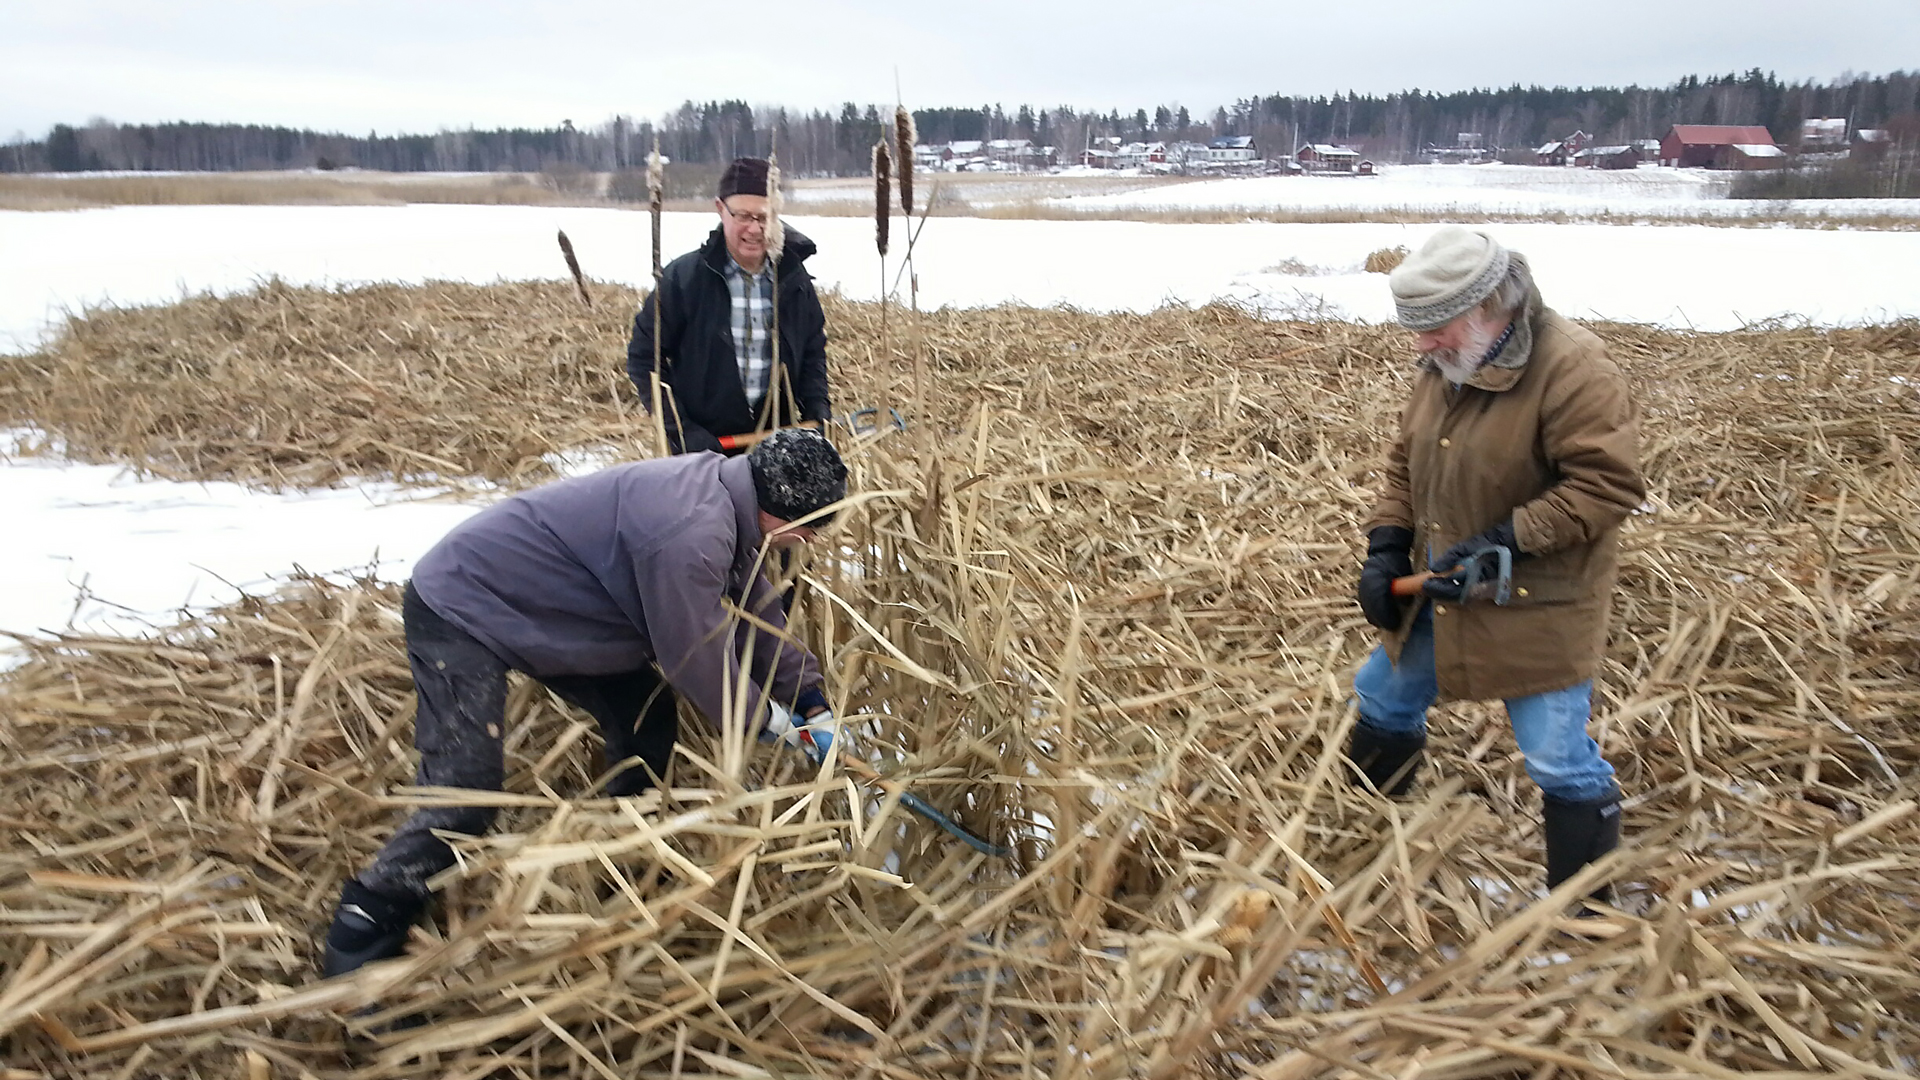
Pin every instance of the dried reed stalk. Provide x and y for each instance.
(882, 202)
(882, 220)
(656, 199)
(1106, 619)
(779, 386)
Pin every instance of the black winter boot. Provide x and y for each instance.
(1388, 759)
(367, 926)
(1578, 833)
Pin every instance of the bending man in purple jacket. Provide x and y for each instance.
(614, 590)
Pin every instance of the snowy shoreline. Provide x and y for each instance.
(1690, 276)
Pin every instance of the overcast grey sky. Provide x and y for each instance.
(394, 65)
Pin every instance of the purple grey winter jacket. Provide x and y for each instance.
(628, 566)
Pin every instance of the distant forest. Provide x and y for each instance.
(821, 143)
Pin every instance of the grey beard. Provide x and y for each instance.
(1450, 366)
(1458, 365)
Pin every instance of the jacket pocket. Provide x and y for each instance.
(1552, 579)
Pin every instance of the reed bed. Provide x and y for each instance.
(1102, 615)
(291, 188)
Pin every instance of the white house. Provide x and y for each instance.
(1232, 149)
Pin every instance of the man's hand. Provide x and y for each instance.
(1501, 535)
(1478, 554)
(814, 738)
(817, 736)
(1389, 556)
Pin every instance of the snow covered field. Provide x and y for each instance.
(152, 547)
(1471, 191)
(1648, 193)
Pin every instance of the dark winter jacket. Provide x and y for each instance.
(701, 389)
(632, 565)
(1546, 433)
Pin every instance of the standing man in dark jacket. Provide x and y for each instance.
(1520, 437)
(620, 591)
(717, 324)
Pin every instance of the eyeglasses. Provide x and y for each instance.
(744, 219)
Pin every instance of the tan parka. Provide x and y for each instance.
(1546, 432)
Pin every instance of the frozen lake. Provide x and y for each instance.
(1683, 275)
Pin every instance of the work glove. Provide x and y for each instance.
(1389, 556)
(814, 738)
(1477, 557)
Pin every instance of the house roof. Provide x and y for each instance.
(965, 146)
(1329, 150)
(1759, 150)
(1722, 134)
(1873, 135)
(1550, 148)
(1231, 142)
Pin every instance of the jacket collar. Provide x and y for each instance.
(736, 475)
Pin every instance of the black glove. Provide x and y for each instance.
(1451, 569)
(1389, 556)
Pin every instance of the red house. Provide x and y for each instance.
(1692, 146)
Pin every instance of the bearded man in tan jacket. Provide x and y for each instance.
(1519, 443)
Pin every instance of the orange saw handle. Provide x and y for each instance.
(740, 442)
(1409, 586)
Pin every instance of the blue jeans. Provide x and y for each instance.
(1551, 728)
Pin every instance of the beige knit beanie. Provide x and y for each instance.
(1454, 270)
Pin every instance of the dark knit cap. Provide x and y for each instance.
(744, 176)
(795, 472)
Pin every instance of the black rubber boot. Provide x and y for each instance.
(1388, 759)
(1578, 833)
(367, 926)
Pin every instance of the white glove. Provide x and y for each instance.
(813, 738)
(779, 726)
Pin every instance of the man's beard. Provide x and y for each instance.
(1458, 365)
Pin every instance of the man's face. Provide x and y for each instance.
(781, 533)
(743, 220)
(1458, 347)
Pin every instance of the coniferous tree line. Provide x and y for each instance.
(1391, 127)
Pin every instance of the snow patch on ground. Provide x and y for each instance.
(96, 549)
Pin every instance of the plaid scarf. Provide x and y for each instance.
(752, 324)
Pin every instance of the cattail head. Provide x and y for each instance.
(776, 230)
(882, 192)
(904, 137)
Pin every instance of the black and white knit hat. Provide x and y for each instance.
(1454, 270)
(796, 471)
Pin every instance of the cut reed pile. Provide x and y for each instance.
(1384, 260)
(1104, 615)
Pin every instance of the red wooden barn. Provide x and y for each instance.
(1693, 146)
